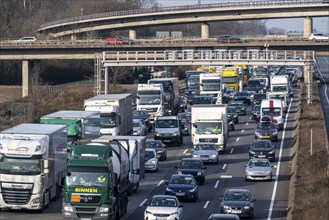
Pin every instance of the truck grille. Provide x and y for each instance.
(85, 211)
(16, 196)
(212, 140)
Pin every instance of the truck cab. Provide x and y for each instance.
(168, 129)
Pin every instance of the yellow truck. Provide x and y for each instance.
(230, 77)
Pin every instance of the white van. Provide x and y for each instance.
(274, 109)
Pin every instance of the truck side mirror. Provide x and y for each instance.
(194, 125)
(45, 164)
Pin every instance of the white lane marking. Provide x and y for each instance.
(242, 131)
(237, 139)
(185, 151)
(247, 123)
(224, 166)
(216, 185)
(206, 205)
(160, 182)
(269, 217)
(143, 202)
(225, 176)
(232, 149)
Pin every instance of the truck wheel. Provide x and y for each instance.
(58, 192)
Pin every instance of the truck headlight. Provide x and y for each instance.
(199, 173)
(68, 208)
(36, 201)
(104, 209)
(176, 133)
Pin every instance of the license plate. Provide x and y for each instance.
(16, 207)
(166, 140)
(161, 218)
(236, 211)
(85, 218)
(180, 194)
(266, 136)
(262, 156)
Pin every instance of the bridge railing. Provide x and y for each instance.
(182, 8)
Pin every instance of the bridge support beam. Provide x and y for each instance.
(205, 30)
(132, 34)
(26, 78)
(106, 84)
(308, 26)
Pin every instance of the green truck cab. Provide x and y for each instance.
(96, 182)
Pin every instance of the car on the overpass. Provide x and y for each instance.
(114, 40)
(228, 39)
(318, 36)
(163, 205)
(258, 169)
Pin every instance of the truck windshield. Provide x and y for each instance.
(279, 88)
(271, 111)
(108, 121)
(193, 82)
(20, 166)
(167, 85)
(209, 127)
(233, 79)
(149, 98)
(87, 179)
(211, 84)
(282, 97)
(166, 123)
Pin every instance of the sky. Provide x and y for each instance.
(292, 24)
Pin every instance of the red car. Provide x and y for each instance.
(114, 40)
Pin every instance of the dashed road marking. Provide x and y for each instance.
(225, 176)
(206, 205)
(237, 139)
(160, 182)
(185, 151)
(216, 185)
(224, 166)
(143, 202)
(232, 149)
(247, 123)
(242, 131)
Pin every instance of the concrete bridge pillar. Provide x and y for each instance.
(132, 34)
(308, 26)
(106, 86)
(205, 30)
(26, 78)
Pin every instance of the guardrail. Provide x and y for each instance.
(181, 8)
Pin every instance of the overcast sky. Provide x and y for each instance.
(292, 24)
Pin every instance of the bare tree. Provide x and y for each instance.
(119, 73)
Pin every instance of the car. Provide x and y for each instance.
(186, 128)
(202, 99)
(160, 148)
(193, 166)
(27, 39)
(163, 205)
(229, 39)
(243, 97)
(258, 169)
(207, 152)
(143, 115)
(266, 130)
(258, 97)
(185, 116)
(139, 127)
(219, 216)
(240, 107)
(318, 36)
(151, 160)
(255, 113)
(189, 94)
(262, 149)
(239, 202)
(232, 114)
(183, 186)
(182, 103)
(114, 40)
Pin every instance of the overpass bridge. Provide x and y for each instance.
(203, 13)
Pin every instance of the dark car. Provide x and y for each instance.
(262, 149)
(159, 147)
(229, 39)
(202, 99)
(193, 166)
(182, 103)
(232, 114)
(266, 130)
(255, 113)
(186, 128)
(258, 97)
(143, 115)
(242, 97)
(189, 94)
(218, 216)
(240, 107)
(239, 202)
(183, 186)
(185, 116)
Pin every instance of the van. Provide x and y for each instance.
(168, 129)
(274, 109)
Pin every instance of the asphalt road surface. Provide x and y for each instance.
(271, 196)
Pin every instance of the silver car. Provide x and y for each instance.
(207, 152)
(259, 169)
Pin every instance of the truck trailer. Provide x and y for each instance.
(116, 113)
(97, 183)
(210, 124)
(32, 165)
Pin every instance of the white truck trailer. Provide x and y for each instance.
(135, 146)
(32, 165)
(209, 124)
(116, 113)
(151, 97)
(279, 83)
(211, 84)
(81, 124)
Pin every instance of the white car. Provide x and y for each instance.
(207, 152)
(318, 36)
(163, 207)
(151, 160)
(139, 127)
(27, 39)
(259, 169)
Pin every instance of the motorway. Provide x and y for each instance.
(271, 197)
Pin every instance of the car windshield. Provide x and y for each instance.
(236, 196)
(231, 110)
(140, 113)
(265, 125)
(166, 123)
(149, 155)
(190, 165)
(153, 144)
(204, 147)
(166, 202)
(262, 144)
(136, 124)
(256, 108)
(259, 163)
(182, 180)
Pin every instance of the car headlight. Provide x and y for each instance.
(156, 134)
(68, 208)
(268, 172)
(271, 152)
(252, 152)
(192, 190)
(246, 207)
(226, 207)
(148, 212)
(176, 133)
(196, 155)
(199, 173)
(174, 213)
(213, 156)
(275, 132)
(159, 151)
(257, 133)
(169, 190)
(179, 172)
(153, 161)
(104, 209)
